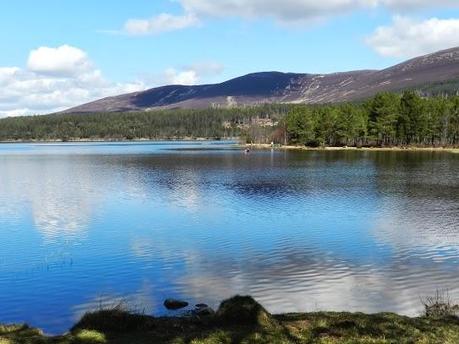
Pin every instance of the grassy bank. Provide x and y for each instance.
(242, 320)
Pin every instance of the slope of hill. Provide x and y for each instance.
(269, 87)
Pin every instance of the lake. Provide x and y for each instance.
(90, 225)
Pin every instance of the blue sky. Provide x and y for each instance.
(58, 53)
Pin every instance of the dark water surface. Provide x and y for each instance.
(88, 224)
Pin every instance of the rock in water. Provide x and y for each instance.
(204, 311)
(173, 304)
(201, 305)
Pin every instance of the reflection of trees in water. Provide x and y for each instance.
(417, 174)
(419, 199)
(266, 188)
(260, 173)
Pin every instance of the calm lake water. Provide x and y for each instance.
(84, 225)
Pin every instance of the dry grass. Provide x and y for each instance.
(440, 305)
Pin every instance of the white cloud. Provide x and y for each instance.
(162, 23)
(59, 78)
(61, 61)
(415, 4)
(287, 11)
(283, 11)
(208, 68)
(406, 37)
(186, 77)
(55, 79)
(297, 11)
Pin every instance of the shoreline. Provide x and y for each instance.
(265, 146)
(242, 320)
(254, 146)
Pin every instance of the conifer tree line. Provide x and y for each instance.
(387, 119)
(154, 125)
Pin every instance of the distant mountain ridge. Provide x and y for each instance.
(277, 87)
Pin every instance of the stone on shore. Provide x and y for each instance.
(172, 304)
(203, 311)
(244, 310)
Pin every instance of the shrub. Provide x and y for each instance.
(440, 305)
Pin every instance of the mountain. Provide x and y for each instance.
(268, 87)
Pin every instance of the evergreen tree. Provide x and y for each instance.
(384, 111)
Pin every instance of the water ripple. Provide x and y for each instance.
(96, 225)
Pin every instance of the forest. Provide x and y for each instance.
(154, 125)
(388, 119)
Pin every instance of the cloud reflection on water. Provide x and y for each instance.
(60, 196)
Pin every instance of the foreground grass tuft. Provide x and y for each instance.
(114, 320)
(88, 336)
(243, 320)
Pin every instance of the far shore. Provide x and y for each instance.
(255, 146)
(262, 146)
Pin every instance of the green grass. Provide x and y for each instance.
(242, 320)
